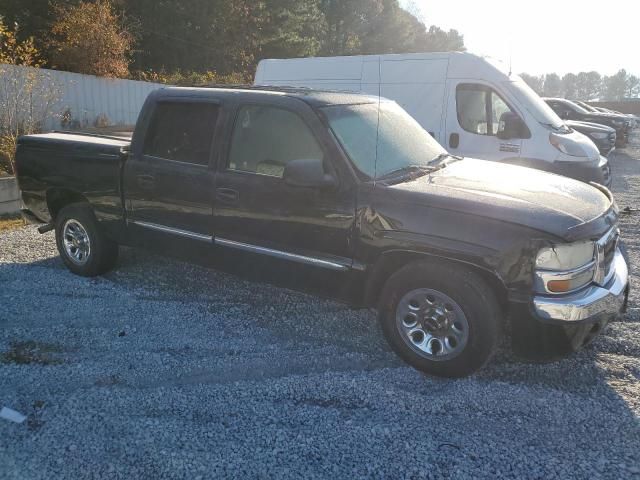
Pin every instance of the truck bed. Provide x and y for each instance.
(58, 164)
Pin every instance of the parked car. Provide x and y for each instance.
(446, 249)
(602, 136)
(473, 106)
(568, 110)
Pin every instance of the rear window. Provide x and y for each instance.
(182, 132)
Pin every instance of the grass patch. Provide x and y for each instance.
(11, 222)
(32, 352)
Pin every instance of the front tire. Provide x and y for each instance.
(83, 247)
(441, 319)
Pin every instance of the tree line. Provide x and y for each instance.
(187, 40)
(586, 86)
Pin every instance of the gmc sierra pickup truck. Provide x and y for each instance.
(448, 250)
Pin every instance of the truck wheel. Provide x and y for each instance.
(441, 319)
(84, 249)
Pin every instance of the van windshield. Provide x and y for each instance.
(402, 142)
(534, 104)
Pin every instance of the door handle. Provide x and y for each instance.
(454, 140)
(227, 195)
(146, 181)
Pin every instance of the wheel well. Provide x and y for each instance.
(58, 198)
(394, 261)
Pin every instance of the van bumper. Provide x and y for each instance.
(596, 171)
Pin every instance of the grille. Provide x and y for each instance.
(606, 174)
(609, 252)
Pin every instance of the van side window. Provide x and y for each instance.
(266, 138)
(182, 131)
(479, 109)
(471, 104)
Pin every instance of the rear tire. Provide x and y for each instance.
(83, 247)
(441, 319)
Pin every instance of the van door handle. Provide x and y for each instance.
(227, 195)
(454, 140)
(146, 181)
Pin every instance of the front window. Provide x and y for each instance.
(266, 138)
(402, 142)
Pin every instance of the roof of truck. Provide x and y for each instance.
(315, 98)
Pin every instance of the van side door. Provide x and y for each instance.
(474, 113)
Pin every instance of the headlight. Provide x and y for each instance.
(565, 268)
(599, 135)
(619, 123)
(566, 145)
(565, 257)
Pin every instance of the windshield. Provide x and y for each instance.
(587, 107)
(402, 142)
(534, 104)
(576, 107)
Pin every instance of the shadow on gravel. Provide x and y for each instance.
(302, 320)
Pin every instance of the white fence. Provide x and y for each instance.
(9, 196)
(74, 100)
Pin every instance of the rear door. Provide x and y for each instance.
(473, 118)
(256, 211)
(168, 179)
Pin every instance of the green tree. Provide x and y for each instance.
(290, 28)
(536, 83)
(91, 38)
(570, 86)
(552, 85)
(588, 86)
(615, 86)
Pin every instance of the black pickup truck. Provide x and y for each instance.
(568, 110)
(448, 250)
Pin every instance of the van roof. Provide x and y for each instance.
(315, 98)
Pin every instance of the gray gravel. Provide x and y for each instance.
(163, 369)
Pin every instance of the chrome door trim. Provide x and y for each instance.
(282, 255)
(174, 231)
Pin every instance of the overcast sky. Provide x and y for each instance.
(543, 36)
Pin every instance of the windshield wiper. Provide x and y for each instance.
(408, 171)
(444, 156)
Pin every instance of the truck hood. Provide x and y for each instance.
(589, 126)
(517, 195)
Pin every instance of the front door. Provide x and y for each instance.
(473, 118)
(256, 211)
(169, 182)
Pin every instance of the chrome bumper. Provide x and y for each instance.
(592, 303)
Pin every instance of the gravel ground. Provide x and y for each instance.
(163, 369)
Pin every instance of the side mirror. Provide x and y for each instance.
(511, 126)
(307, 172)
(124, 152)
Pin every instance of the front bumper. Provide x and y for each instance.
(593, 171)
(592, 304)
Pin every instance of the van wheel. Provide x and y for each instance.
(84, 249)
(441, 319)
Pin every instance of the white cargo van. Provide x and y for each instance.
(472, 105)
